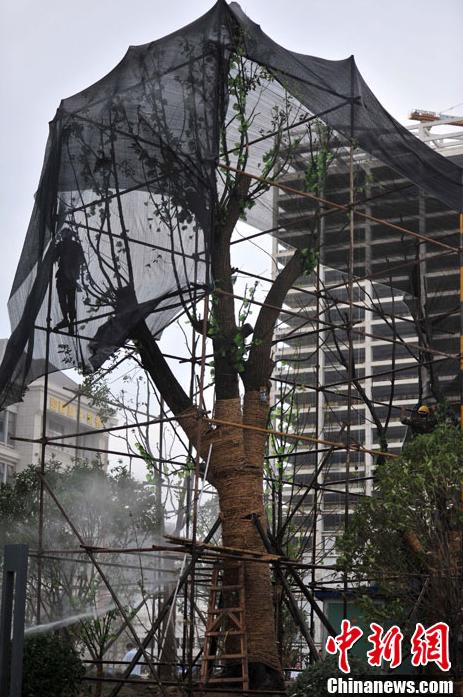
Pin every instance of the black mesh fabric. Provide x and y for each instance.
(322, 84)
(123, 221)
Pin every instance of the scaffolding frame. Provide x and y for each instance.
(201, 551)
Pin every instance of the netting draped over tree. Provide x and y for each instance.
(124, 217)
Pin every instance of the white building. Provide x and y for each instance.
(67, 413)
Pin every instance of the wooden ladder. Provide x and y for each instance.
(224, 622)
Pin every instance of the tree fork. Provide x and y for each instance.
(236, 456)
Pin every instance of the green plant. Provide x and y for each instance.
(52, 667)
(109, 509)
(320, 158)
(312, 681)
(407, 537)
(310, 260)
(99, 396)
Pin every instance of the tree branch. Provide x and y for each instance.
(223, 309)
(156, 365)
(358, 385)
(259, 365)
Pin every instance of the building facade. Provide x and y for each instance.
(384, 364)
(67, 414)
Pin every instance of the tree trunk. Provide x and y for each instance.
(99, 676)
(236, 471)
(236, 466)
(168, 657)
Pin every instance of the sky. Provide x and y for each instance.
(409, 52)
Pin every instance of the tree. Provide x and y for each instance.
(134, 168)
(109, 510)
(242, 357)
(406, 540)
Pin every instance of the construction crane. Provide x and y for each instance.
(426, 116)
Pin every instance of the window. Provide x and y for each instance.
(55, 427)
(329, 544)
(7, 427)
(333, 521)
(6, 472)
(90, 441)
(11, 427)
(331, 499)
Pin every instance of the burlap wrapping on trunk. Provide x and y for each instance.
(256, 410)
(237, 463)
(195, 429)
(236, 469)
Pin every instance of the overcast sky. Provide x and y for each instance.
(410, 53)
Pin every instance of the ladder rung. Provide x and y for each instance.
(218, 617)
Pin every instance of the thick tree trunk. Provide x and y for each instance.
(236, 471)
(239, 485)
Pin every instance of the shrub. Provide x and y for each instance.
(312, 681)
(52, 667)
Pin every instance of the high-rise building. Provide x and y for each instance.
(405, 298)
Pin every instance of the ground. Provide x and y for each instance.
(153, 691)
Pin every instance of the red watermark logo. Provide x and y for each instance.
(429, 645)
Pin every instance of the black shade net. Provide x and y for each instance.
(124, 216)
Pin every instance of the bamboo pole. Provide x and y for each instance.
(341, 207)
(295, 436)
(43, 449)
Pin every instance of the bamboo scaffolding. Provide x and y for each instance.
(192, 579)
(350, 356)
(103, 576)
(344, 325)
(342, 207)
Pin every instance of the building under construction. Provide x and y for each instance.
(397, 307)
